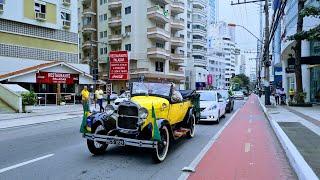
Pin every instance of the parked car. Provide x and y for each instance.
(123, 97)
(229, 100)
(238, 95)
(151, 111)
(212, 106)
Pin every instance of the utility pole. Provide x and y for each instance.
(266, 55)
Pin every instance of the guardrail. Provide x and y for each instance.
(13, 99)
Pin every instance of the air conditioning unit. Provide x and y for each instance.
(66, 24)
(40, 16)
(67, 2)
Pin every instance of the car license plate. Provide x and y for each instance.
(118, 142)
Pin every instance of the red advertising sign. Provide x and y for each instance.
(119, 65)
(55, 78)
(209, 79)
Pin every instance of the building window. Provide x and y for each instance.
(128, 47)
(66, 19)
(101, 34)
(127, 10)
(40, 10)
(105, 50)
(127, 29)
(105, 17)
(105, 33)
(101, 51)
(159, 66)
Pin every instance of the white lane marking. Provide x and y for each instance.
(247, 147)
(249, 130)
(203, 152)
(25, 163)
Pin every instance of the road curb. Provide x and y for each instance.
(300, 166)
(192, 166)
(37, 115)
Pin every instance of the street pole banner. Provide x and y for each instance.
(56, 78)
(119, 65)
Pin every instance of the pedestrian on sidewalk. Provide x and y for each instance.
(122, 91)
(282, 97)
(291, 94)
(277, 96)
(99, 98)
(86, 110)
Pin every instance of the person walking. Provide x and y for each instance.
(277, 96)
(291, 94)
(122, 91)
(99, 98)
(85, 94)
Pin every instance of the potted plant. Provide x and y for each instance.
(29, 99)
(62, 102)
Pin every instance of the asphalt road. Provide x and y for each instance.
(56, 150)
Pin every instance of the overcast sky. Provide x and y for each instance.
(246, 15)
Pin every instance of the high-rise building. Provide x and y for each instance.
(39, 30)
(152, 31)
(212, 11)
(196, 74)
(222, 38)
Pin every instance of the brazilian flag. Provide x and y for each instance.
(155, 130)
(86, 112)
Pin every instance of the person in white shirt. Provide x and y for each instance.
(277, 95)
(99, 98)
(176, 95)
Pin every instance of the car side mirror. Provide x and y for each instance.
(220, 100)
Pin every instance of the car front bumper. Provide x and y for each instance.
(209, 116)
(120, 141)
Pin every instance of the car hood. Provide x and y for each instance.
(148, 101)
(205, 104)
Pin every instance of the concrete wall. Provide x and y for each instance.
(13, 99)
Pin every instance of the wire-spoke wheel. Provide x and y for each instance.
(94, 146)
(192, 125)
(160, 152)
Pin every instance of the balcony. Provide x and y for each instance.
(88, 11)
(115, 21)
(179, 73)
(199, 21)
(40, 16)
(89, 27)
(199, 11)
(177, 7)
(177, 58)
(114, 4)
(199, 3)
(115, 39)
(177, 24)
(158, 33)
(87, 45)
(200, 52)
(157, 14)
(200, 62)
(177, 41)
(200, 42)
(200, 32)
(66, 24)
(139, 70)
(66, 2)
(162, 1)
(157, 53)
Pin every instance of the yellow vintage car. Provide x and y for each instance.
(154, 116)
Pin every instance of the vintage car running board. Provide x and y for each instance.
(120, 141)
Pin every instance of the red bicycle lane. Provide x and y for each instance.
(246, 149)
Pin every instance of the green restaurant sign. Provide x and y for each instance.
(315, 48)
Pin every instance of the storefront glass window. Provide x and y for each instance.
(315, 84)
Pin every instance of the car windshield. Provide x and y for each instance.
(155, 89)
(224, 94)
(207, 96)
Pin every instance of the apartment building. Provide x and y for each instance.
(197, 62)
(39, 30)
(152, 31)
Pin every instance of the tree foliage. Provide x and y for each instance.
(312, 34)
(241, 79)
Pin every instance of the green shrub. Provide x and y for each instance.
(29, 98)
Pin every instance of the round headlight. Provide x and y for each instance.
(109, 109)
(143, 113)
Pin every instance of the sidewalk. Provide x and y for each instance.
(246, 149)
(300, 127)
